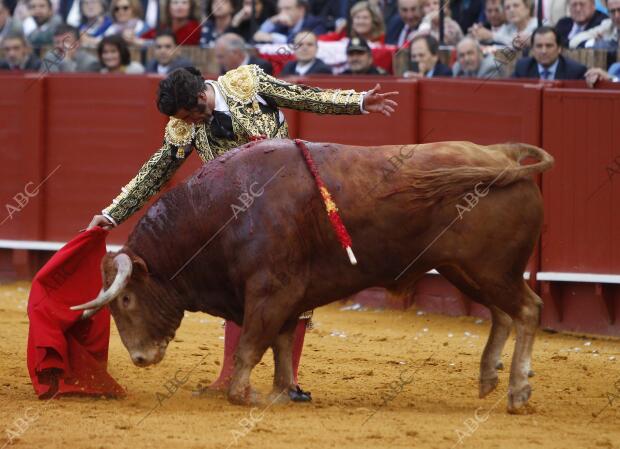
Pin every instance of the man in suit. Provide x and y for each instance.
(583, 16)
(401, 25)
(231, 52)
(164, 52)
(547, 63)
(472, 63)
(67, 56)
(306, 63)
(18, 54)
(359, 58)
(424, 59)
(292, 18)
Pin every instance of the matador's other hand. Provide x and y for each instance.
(377, 102)
(101, 221)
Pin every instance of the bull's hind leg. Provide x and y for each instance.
(526, 321)
(500, 328)
(491, 356)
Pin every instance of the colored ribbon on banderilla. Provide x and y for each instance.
(330, 206)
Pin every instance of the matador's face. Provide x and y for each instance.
(200, 114)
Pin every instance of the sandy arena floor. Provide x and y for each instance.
(380, 379)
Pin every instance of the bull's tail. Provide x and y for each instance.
(430, 186)
(519, 151)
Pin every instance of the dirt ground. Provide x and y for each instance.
(379, 379)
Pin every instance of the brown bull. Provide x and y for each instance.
(247, 239)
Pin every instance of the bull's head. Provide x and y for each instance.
(144, 314)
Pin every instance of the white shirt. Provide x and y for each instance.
(303, 68)
(222, 106)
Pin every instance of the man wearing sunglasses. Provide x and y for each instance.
(213, 117)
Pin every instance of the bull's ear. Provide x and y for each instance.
(139, 266)
(108, 270)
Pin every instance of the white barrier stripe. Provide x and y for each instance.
(41, 245)
(578, 277)
(541, 276)
(526, 275)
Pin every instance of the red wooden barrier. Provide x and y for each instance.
(97, 131)
(581, 243)
(368, 129)
(21, 167)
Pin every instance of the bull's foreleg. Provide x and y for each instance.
(526, 323)
(491, 357)
(284, 379)
(249, 353)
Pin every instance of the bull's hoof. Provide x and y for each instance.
(299, 395)
(487, 386)
(530, 373)
(517, 401)
(499, 365)
(247, 396)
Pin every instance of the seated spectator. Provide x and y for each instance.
(366, 23)
(596, 74)
(472, 63)
(40, 26)
(67, 56)
(18, 54)
(292, 17)
(94, 21)
(126, 20)
(605, 35)
(218, 21)
(424, 59)
(114, 56)
(8, 24)
(306, 62)
(494, 15)
(466, 12)
(516, 31)
(241, 23)
(152, 10)
(332, 13)
(68, 10)
(430, 24)
(583, 16)
(359, 58)
(404, 23)
(231, 53)
(552, 10)
(166, 60)
(547, 63)
(180, 17)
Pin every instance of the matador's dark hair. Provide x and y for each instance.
(179, 90)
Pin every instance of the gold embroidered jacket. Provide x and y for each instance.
(240, 88)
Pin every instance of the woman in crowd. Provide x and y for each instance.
(365, 21)
(180, 16)
(95, 21)
(219, 21)
(114, 56)
(126, 20)
(242, 23)
(516, 31)
(452, 32)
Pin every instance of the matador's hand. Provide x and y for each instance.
(376, 102)
(100, 220)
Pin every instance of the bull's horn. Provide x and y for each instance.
(123, 273)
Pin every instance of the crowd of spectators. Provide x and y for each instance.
(101, 35)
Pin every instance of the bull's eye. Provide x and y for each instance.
(125, 301)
